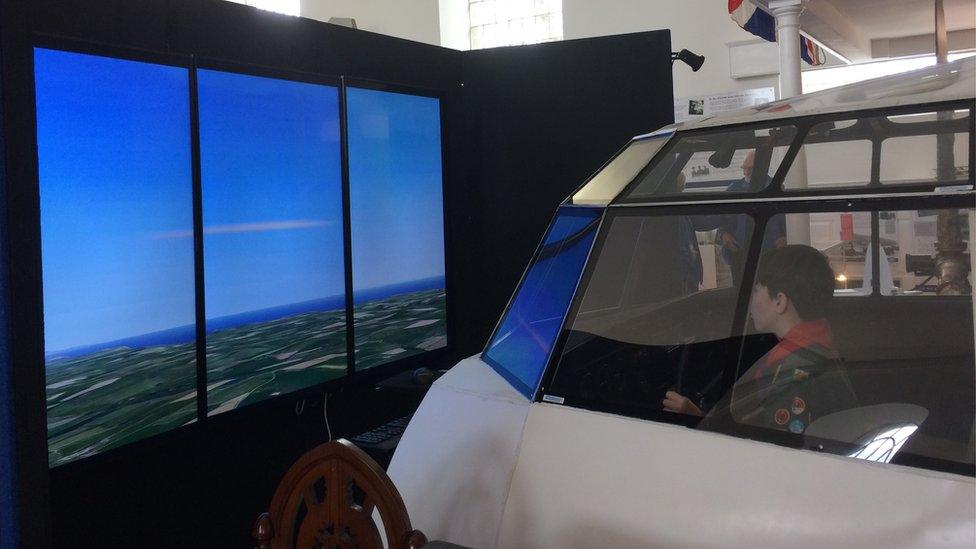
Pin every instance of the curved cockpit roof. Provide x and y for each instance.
(947, 82)
(783, 127)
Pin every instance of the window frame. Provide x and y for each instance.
(532, 393)
(663, 136)
(762, 210)
(803, 125)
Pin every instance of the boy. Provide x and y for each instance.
(802, 377)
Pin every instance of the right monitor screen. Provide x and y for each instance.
(397, 219)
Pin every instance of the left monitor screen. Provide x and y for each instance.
(116, 235)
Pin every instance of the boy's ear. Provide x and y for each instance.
(781, 302)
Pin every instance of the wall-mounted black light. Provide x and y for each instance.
(693, 60)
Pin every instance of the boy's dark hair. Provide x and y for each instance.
(803, 274)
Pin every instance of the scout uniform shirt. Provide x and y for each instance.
(799, 380)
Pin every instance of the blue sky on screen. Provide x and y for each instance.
(272, 195)
(114, 162)
(395, 188)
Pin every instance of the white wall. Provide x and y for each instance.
(702, 26)
(411, 19)
(455, 24)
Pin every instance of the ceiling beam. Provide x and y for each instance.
(921, 44)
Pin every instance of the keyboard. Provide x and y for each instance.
(387, 434)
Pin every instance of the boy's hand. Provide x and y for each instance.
(673, 402)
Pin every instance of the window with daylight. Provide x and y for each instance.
(514, 22)
(287, 7)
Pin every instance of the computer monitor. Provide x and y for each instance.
(397, 218)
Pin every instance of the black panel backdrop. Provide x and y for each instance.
(541, 119)
(527, 126)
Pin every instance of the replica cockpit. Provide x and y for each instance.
(798, 275)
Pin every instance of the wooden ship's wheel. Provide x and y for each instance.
(327, 501)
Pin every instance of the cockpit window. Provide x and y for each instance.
(726, 161)
(924, 148)
(784, 329)
(888, 380)
(657, 313)
(520, 347)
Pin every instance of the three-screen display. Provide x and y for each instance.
(120, 269)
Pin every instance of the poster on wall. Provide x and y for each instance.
(702, 106)
(699, 173)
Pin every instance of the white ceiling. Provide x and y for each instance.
(897, 18)
(869, 29)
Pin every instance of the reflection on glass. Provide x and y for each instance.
(917, 148)
(867, 376)
(831, 164)
(116, 198)
(845, 238)
(723, 161)
(521, 345)
(648, 323)
(909, 247)
(909, 362)
(397, 213)
(925, 244)
(608, 182)
(885, 445)
(273, 245)
(908, 160)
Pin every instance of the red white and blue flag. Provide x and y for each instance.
(748, 16)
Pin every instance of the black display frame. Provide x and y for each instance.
(192, 63)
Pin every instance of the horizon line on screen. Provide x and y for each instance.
(181, 335)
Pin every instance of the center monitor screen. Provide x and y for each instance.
(272, 236)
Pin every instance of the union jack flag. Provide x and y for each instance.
(748, 16)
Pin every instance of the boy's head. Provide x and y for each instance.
(797, 281)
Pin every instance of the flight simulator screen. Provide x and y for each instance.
(116, 200)
(397, 218)
(118, 234)
(273, 236)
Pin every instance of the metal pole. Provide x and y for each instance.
(787, 14)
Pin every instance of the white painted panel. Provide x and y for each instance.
(595, 480)
(754, 58)
(455, 461)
